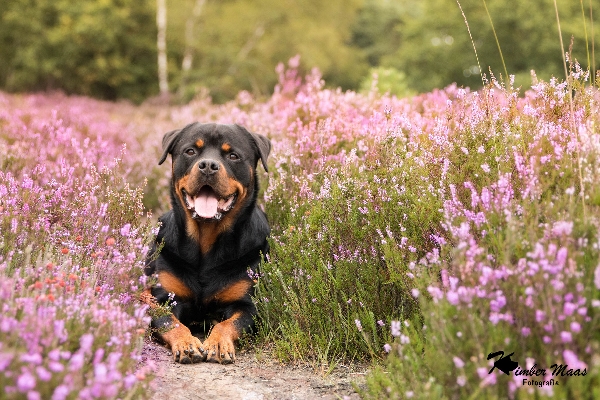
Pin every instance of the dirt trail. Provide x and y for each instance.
(249, 378)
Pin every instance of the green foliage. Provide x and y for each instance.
(239, 43)
(103, 49)
(386, 80)
(377, 29)
(443, 355)
(107, 48)
(435, 48)
(339, 270)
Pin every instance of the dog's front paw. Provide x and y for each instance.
(186, 348)
(219, 345)
(189, 350)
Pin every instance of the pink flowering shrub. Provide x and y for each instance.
(470, 216)
(419, 234)
(514, 264)
(72, 248)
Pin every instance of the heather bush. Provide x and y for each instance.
(423, 234)
(72, 249)
(418, 235)
(516, 269)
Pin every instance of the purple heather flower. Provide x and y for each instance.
(569, 308)
(572, 360)
(452, 298)
(458, 362)
(61, 392)
(33, 395)
(35, 358)
(358, 325)
(395, 326)
(566, 337)
(561, 228)
(404, 339)
(125, 230)
(25, 382)
(76, 362)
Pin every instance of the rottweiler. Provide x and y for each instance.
(211, 242)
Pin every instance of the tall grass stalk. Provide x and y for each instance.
(587, 45)
(593, 69)
(497, 41)
(571, 122)
(472, 42)
(562, 46)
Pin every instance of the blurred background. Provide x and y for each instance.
(108, 48)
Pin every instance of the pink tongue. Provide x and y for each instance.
(206, 205)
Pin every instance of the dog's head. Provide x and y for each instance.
(214, 168)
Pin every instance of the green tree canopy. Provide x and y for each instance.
(101, 48)
(238, 43)
(435, 48)
(107, 48)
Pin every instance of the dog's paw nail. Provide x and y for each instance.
(185, 360)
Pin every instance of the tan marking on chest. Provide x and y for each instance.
(172, 284)
(233, 292)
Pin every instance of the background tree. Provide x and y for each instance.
(435, 49)
(188, 53)
(108, 48)
(239, 43)
(105, 49)
(161, 46)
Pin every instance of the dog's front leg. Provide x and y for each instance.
(220, 344)
(186, 348)
(238, 311)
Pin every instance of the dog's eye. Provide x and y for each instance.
(190, 152)
(233, 156)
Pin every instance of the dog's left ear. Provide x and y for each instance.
(264, 148)
(263, 144)
(167, 144)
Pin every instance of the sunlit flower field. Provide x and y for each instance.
(416, 235)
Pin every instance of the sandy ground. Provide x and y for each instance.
(252, 377)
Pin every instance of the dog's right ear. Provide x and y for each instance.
(167, 144)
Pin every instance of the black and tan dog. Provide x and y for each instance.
(213, 239)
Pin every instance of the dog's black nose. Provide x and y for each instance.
(208, 167)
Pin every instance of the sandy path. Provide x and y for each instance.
(249, 378)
